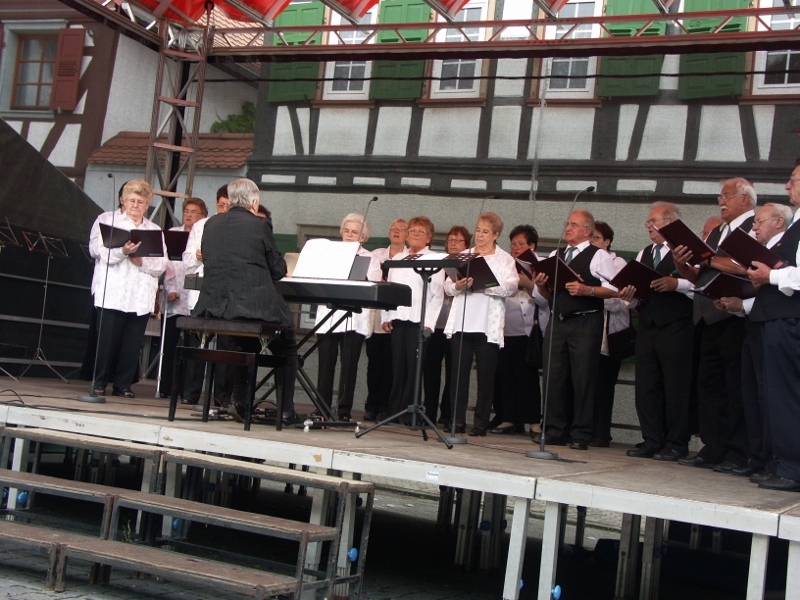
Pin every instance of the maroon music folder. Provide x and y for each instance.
(526, 261)
(725, 285)
(639, 276)
(555, 264)
(677, 233)
(744, 249)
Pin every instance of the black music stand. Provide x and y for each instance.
(51, 247)
(424, 268)
(7, 238)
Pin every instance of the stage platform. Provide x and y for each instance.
(598, 478)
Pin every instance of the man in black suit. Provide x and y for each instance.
(241, 261)
(777, 306)
(721, 413)
(663, 349)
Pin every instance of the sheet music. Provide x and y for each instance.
(325, 259)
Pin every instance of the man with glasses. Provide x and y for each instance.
(777, 306)
(721, 413)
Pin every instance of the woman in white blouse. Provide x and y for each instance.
(126, 288)
(476, 325)
(349, 335)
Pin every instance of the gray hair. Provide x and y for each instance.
(356, 218)
(243, 192)
(743, 187)
(781, 210)
(671, 211)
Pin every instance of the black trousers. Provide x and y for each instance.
(437, 349)
(350, 343)
(575, 350)
(379, 372)
(119, 344)
(280, 347)
(517, 397)
(719, 391)
(663, 383)
(486, 354)
(404, 355)
(607, 375)
(223, 375)
(194, 370)
(754, 395)
(782, 370)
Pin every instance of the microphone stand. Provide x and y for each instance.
(91, 397)
(541, 453)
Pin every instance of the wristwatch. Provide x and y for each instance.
(591, 291)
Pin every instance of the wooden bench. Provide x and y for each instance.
(145, 559)
(206, 328)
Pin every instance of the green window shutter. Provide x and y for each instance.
(631, 65)
(284, 86)
(710, 85)
(400, 11)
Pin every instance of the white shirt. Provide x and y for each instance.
(381, 255)
(484, 312)
(601, 267)
(787, 279)
(726, 229)
(191, 265)
(519, 314)
(359, 322)
(130, 289)
(747, 303)
(410, 278)
(619, 314)
(173, 283)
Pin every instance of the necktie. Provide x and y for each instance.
(726, 229)
(570, 252)
(657, 255)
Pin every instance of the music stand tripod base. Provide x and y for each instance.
(541, 455)
(456, 440)
(91, 399)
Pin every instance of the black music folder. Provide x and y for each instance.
(639, 276)
(360, 268)
(176, 243)
(525, 262)
(152, 243)
(566, 275)
(474, 266)
(677, 233)
(114, 237)
(725, 285)
(744, 249)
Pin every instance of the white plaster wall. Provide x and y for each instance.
(510, 88)
(504, 136)
(627, 119)
(63, 155)
(37, 133)
(720, 134)
(764, 116)
(222, 99)
(450, 132)
(284, 135)
(664, 133)
(391, 133)
(342, 131)
(566, 133)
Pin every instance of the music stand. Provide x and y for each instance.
(425, 269)
(38, 242)
(7, 238)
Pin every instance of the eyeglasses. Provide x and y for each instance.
(794, 178)
(453, 240)
(191, 212)
(397, 229)
(728, 197)
(223, 204)
(653, 221)
(575, 225)
(418, 231)
(759, 222)
(136, 202)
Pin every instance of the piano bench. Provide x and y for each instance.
(206, 327)
(251, 360)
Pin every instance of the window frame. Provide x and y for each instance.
(758, 87)
(478, 89)
(39, 83)
(328, 93)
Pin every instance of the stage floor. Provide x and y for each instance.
(602, 478)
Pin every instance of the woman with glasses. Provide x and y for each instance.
(124, 289)
(194, 209)
(476, 324)
(438, 346)
(405, 321)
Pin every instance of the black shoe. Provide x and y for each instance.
(747, 470)
(345, 418)
(124, 392)
(670, 455)
(190, 401)
(727, 466)
(461, 429)
(698, 461)
(508, 429)
(370, 415)
(782, 484)
(236, 411)
(579, 446)
(643, 452)
(292, 418)
(598, 443)
(549, 440)
(761, 476)
(478, 431)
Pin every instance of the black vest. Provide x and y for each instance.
(704, 309)
(568, 305)
(771, 303)
(662, 309)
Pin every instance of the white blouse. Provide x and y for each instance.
(484, 312)
(191, 265)
(410, 278)
(359, 322)
(130, 288)
(173, 282)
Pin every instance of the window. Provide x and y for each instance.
(776, 64)
(349, 77)
(36, 59)
(569, 77)
(457, 74)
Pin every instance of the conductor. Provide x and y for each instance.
(241, 262)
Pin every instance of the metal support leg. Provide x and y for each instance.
(467, 524)
(344, 565)
(19, 462)
(580, 526)
(516, 548)
(320, 508)
(694, 537)
(628, 557)
(651, 558)
(757, 577)
(553, 514)
(498, 517)
(484, 557)
(444, 517)
(716, 541)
